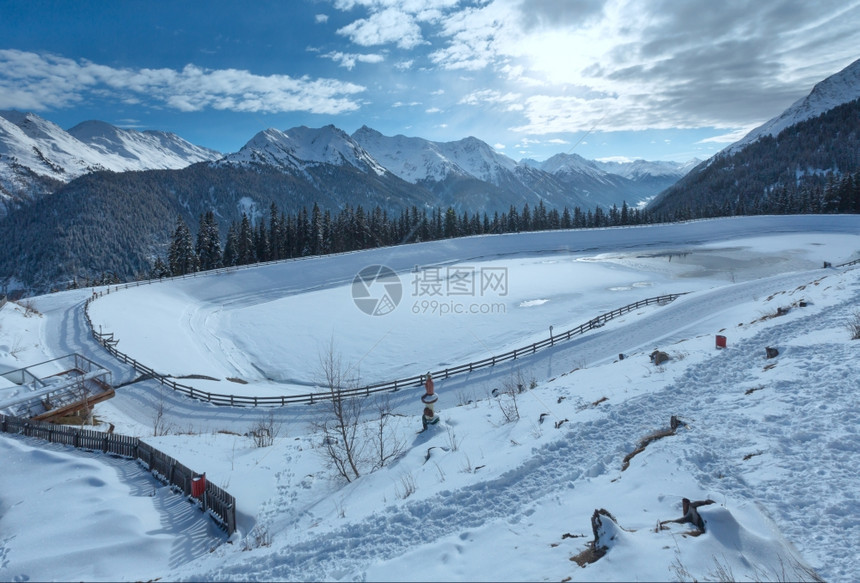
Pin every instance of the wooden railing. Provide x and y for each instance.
(220, 505)
(109, 342)
(850, 263)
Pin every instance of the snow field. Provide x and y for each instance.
(520, 512)
(72, 515)
(772, 442)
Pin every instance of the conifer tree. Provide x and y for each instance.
(208, 242)
(231, 247)
(181, 256)
(246, 250)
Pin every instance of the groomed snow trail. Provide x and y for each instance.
(815, 510)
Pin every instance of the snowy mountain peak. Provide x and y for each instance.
(33, 126)
(32, 146)
(302, 145)
(638, 169)
(140, 150)
(842, 87)
(418, 159)
(566, 164)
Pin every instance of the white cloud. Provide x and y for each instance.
(728, 138)
(511, 101)
(321, 18)
(349, 60)
(38, 82)
(632, 66)
(387, 26)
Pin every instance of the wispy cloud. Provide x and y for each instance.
(622, 64)
(38, 81)
(349, 60)
(728, 138)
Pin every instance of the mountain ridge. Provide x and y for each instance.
(839, 88)
(36, 154)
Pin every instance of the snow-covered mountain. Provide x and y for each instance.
(467, 174)
(814, 140)
(611, 182)
(842, 87)
(586, 183)
(644, 169)
(417, 160)
(297, 147)
(36, 155)
(124, 149)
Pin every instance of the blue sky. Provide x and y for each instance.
(653, 79)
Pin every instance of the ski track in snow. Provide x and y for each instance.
(808, 506)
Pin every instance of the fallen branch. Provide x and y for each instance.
(691, 514)
(674, 423)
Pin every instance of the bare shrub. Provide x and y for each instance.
(258, 537)
(453, 442)
(506, 396)
(29, 308)
(264, 431)
(854, 326)
(342, 444)
(387, 444)
(407, 486)
(160, 424)
(508, 405)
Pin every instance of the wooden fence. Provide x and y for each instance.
(220, 505)
(109, 342)
(850, 263)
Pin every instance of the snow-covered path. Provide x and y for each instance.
(807, 504)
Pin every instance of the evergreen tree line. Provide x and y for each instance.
(794, 170)
(834, 194)
(318, 232)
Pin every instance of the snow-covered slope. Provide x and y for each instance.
(417, 159)
(837, 89)
(641, 169)
(133, 150)
(47, 149)
(34, 150)
(773, 442)
(296, 147)
(43, 147)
